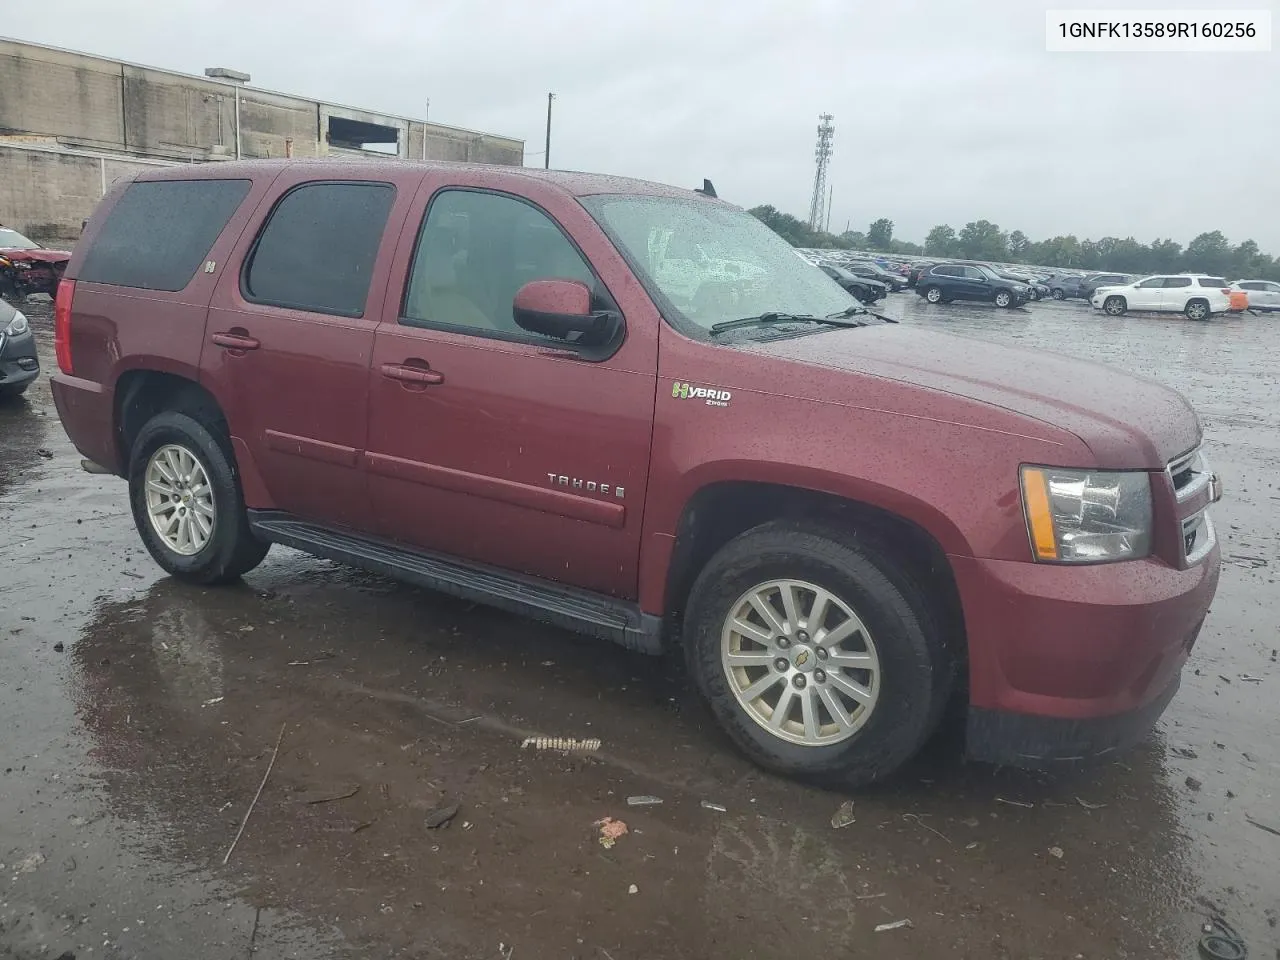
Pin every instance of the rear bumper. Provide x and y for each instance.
(85, 409)
(1070, 662)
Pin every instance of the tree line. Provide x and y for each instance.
(1210, 252)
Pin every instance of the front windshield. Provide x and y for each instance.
(13, 240)
(992, 275)
(708, 262)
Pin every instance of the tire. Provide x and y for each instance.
(1004, 298)
(909, 685)
(1058, 294)
(1115, 306)
(933, 294)
(229, 549)
(1197, 310)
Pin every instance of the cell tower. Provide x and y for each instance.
(822, 154)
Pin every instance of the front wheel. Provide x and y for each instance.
(1197, 310)
(817, 655)
(1004, 298)
(1058, 294)
(933, 294)
(187, 503)
(1115, 306)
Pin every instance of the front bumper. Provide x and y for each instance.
(1070, 662)
(18, 362)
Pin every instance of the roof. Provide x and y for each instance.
(573, 182)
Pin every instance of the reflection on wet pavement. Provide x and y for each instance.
(131, 759)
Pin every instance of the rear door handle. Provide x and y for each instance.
(236, 341)
(401, 371)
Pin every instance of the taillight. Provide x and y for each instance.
(62, 324)
(1228, 291)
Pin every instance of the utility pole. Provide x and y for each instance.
(546, 157)
(822, 156)
(424, 128)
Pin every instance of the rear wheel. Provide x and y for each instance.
(1058, 293)
(1197, 310)
(187, 503)
(817, 654)
(1115, 306)
(933, 294)
(1003, 298)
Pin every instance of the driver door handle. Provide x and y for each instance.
(236, 341)
(400, 371)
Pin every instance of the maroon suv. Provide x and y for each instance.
(631, 410)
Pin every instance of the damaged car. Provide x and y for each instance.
(26, 267)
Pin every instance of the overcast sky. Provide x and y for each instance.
(945, 110)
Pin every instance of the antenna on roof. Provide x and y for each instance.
(708, 189)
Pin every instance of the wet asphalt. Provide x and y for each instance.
(138, 717)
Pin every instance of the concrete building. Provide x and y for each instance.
(70, 124)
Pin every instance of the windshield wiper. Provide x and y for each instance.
(857, 311)
(765, 319)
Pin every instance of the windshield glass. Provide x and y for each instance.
(13, 240)
(991, 274)
(707, 263)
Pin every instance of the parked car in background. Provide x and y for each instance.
(914, 270)
(873, 271)
(19, 365)
(26, 267)
(1038, 290)
(1264, 295)
(1065, 286)
(966, 281)
(864, 288)
(491, 393)
(1196, 296)
(1093, 281)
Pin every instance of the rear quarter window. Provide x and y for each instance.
(159, 232)
(1213, 282)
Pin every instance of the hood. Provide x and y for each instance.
(38, 256)
(1125, 420)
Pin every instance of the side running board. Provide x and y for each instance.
(581, 611)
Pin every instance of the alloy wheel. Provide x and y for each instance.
(180, 499)
(800, 662)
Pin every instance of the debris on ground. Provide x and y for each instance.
(896, 925)
(643, 801)
(1221, 941)
(254, 802)
(210, 703)
(1193, 784)
(58, 647)
(717, 807)
(440, 816)
(1263, 826)
(843, 815)
(30, 864)
(44, 452)
(610, 831)
(563, 744)
(1015, 803)
(1186, 752)
(328, 797)
(1249, 678)
(1090, 806)
(633, 889)
(1056, 852)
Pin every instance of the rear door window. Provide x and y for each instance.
(1213, 282)
(160, 231)
(946, 271)
(1176, 282)
(318, 248)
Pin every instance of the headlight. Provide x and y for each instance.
(1087, 516)
(17, 326)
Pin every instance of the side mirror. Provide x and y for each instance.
(560, 309)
